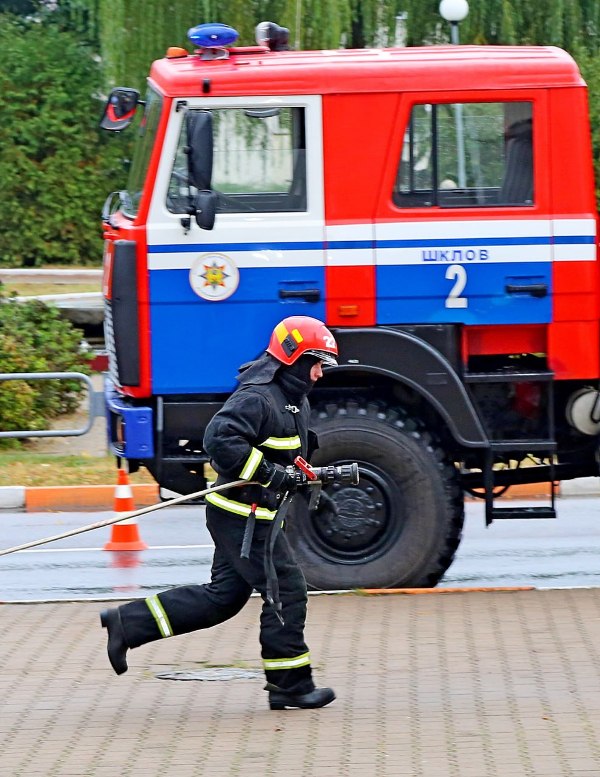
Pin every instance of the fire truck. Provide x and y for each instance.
(434, 206)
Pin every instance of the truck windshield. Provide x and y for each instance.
(146, 135)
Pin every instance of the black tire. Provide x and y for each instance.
(176, 477)
(401, 525)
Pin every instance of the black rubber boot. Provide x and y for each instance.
(117, 647)
(280, 699)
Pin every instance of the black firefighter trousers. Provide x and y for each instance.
(192, 607)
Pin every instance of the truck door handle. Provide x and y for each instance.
(534, 289)
(310, 295)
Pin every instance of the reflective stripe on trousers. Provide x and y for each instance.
(271, 664)
(160, 616)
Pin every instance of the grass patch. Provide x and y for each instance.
(47, 469)
(25, 289)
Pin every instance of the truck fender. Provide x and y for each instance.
(403, 357)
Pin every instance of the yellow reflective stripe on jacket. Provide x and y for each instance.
(160, 616)
(282, 443)
(251, 464)
(239, 508)
(271, 664)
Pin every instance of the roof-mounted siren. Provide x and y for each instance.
(212, 39)
(272, 36)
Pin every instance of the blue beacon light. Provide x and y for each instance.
(212, 35)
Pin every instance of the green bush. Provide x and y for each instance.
(56, 166)
(35, 338)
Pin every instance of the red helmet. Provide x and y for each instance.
(297, 336)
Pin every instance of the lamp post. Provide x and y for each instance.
(455, 11)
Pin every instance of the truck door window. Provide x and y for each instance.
(259, 162)
(467, 155)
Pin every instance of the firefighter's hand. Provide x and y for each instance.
(326, 505)
(287, 478)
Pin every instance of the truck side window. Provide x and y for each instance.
(259, 162)
(467, 155)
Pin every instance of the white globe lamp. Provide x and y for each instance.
(454, 11)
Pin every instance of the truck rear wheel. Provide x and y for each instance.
(401, 525)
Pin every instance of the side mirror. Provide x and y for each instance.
(204, 208)
(120, 109)
(199, 127)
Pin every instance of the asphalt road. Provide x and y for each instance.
(546, 554)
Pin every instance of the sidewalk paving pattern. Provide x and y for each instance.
(479, 684)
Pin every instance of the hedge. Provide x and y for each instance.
(35, 338)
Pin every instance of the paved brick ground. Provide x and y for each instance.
(437, 685)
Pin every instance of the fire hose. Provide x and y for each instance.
(319, 476)
(123, 517)
(301, 473)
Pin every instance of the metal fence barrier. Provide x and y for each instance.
(92, 404)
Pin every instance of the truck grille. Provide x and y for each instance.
(109, 339)
(123, 309)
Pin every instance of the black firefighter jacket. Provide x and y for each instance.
(257, 428)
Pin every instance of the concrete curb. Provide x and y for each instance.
(452, 590)
(581, 487)
(578, 487)
(12, 497)
(102, 497)
(71, 497)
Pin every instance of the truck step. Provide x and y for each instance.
(509, 376)
(186, 458)
(523, 445)
(506, 513)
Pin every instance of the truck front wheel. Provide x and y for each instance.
(401, 525)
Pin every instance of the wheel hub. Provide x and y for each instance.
(362, 516)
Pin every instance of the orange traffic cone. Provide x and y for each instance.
(125, 534)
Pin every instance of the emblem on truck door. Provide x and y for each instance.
(214, 277)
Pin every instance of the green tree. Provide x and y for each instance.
(55, 166)
(590, 70)
(373, 23)
(132, 34)
(23, 7)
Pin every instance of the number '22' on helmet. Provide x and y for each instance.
(298, 336)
